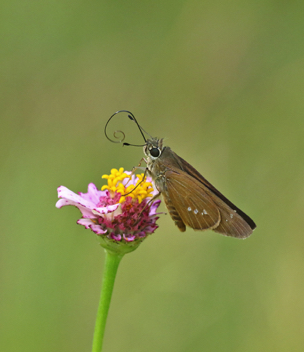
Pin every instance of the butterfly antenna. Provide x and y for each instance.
(121, 139)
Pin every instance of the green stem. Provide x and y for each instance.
(112, 261)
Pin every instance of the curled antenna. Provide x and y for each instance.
(132, 118)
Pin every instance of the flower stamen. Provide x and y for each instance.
(116, 184)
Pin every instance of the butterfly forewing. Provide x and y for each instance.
(232, 224)
(196, 209)
(202, 208)
(189, 169)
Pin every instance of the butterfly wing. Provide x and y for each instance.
(195, 209)
(202, 208)
(235, 227)
(185, 166)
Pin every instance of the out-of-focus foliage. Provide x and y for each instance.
(223, 82)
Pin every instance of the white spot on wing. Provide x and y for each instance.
(189, 209)
(205, 211)
(195, 211)
(231, 215)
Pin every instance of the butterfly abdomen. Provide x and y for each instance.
(174, 214)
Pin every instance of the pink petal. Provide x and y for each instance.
(154, 207)
(83, 201)
(129, 238)
(90, 224)
(105, 210)
(93, 194)
(115, 237)
(86, 212)
(74, 198)
(142, 234)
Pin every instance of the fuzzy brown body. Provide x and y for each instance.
(191, 200)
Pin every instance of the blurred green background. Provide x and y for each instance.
(223, 82)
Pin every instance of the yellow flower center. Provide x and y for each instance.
(140, 191)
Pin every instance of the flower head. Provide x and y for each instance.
(113, 213)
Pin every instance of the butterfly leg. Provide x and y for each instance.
(139, 166)
(143, 179)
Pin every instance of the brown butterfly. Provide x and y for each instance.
(191, 200)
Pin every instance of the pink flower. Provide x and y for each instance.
(110, 214)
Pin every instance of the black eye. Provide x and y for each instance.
(155, 152)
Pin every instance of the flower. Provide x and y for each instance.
(114, 214)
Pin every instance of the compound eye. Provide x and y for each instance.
(155, 152)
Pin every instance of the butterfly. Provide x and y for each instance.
(191, 200)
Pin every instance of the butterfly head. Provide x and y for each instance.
(153, 148)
